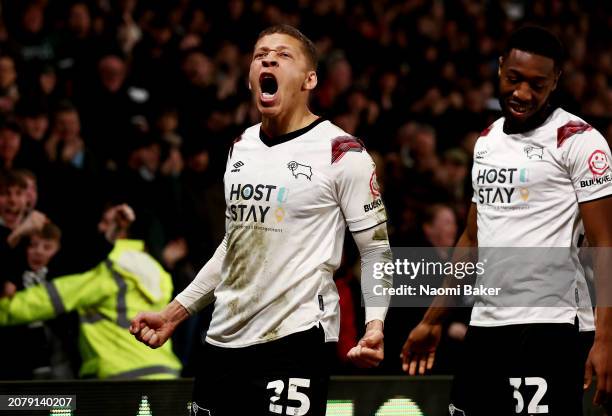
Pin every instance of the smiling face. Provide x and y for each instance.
(598, 163)
(14, 205)
(526, 82)
(280, 76)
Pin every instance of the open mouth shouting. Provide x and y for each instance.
(268, 86)
(11, 215)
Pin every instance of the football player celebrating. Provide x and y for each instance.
(541, 178)
(292, 185)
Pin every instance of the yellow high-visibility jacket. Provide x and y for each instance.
(106, 298)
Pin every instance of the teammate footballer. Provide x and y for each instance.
(292, 185)
(541, 178)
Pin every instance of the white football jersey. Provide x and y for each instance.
(527, 188)
(289, 200)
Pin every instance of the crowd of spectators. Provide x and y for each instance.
(137, 102)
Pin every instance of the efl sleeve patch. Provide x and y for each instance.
(588, 164)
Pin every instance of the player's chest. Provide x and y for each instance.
(516, 171)
(277, 183)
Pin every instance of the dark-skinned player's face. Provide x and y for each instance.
(526, 81)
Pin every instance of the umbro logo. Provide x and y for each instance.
(237, 166)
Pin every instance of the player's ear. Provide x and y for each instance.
(311, 81)
(250, 88)
(501, 62)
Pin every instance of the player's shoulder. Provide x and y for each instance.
(340, 143)
(486, 137)
(568, 129)
(493, 129)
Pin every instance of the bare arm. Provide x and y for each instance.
(419, 351)
(469, 238)
(598, 227)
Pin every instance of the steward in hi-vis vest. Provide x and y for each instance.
(106, 298)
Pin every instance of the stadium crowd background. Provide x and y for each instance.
(110, 101)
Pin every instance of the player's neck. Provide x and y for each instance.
(283, 124)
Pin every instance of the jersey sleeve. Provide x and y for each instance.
(588, 164)
(357, 191)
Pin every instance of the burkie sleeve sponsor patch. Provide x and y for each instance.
(588, 161)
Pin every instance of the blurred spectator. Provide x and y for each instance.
(196, 92)
(9, 90)
(39, 350)
(16, 222)
(203, 206)
(31, 190)
(125, 28)
(65, 144)
(143, 185)
(78, 48)
(456, 180)
(111, 108)
(43, 245)
(439, 228)
(33, 120)
(338, 79)
(156, 53)
(34, 43)
(166, 127)
(440, 231)
(17, 151)
(74, 187)
(10, 144)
